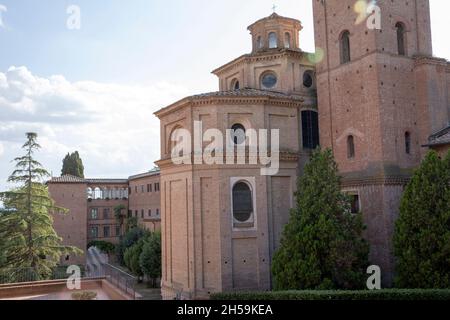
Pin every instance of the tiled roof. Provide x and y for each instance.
(73, 179)
(440, 138)
(145, 175)
(107, 181)
(246, 92)
(67, 179)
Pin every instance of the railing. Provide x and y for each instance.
(29, 275)
(120, 279)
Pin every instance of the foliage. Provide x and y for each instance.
(120, 215)
(104, 246)
(86, 295)
(422, 231)
(127, 241)
(393, 294)
(27, 237)
(150, 259)
(132, 256)
(73, 165)
(132, 223)
(321, 246)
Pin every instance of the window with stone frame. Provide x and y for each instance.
(345, 47)
(242, 203)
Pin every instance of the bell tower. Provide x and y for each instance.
(371, 112)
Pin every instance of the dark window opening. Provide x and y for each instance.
(238, 133)
(345, 47)
(310, 129)
(354, 198)
(308, 79)
(408, 143)
(350, 147)
(242, 202)
(401, 38)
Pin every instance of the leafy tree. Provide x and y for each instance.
(120, 215)
(73, 165)
(422, 231)
(132, 256)
(128, 240)
(27, 237)
(104, 246)
(321, 246)
(150, 259)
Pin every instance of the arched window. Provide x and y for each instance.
(287, 40)
(350, 147)
(238, 133)
(259, 43)
(308, 79)
(273, 41)
(235, 85)
(408, 142)
(89, 193)
(242, 202)
(310, 129)
(401, 38)
(345, 47)
(98, 194)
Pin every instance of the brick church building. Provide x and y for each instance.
(380, 99)
(376, 96)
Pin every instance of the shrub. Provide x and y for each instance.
(394, 294)
(87, 295)
(104, 246)
(128, 240)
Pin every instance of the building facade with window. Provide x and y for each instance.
(379, 98)
(91, 205)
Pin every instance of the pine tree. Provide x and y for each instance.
(321, 246)
(73, 165)
(27, 238)
(422, 232)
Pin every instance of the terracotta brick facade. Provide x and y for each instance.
(388, 102)
(91, 204)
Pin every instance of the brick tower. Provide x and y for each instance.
(376, 105)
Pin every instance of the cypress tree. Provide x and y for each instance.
(422, 232)
(321, 246)
(73, 165)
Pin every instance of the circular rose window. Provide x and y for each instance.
(269, 80)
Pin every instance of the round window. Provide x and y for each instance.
(307, 79)
(238, 133)
(269, 80)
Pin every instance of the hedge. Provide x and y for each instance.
(388, 294)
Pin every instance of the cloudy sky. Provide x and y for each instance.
(95, 89)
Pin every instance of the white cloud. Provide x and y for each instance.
(111, 125)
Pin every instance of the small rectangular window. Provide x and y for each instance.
(117, 231)
(94, 232)
(142, 213)
(354, 198)
(150, 213)
(94, 214)
(106, 214)
(106, 232)
(157, 212)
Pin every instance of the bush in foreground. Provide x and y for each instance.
(391, 294)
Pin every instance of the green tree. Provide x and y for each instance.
(73, 165)
(130, 238)
(131, 257)
(27, 237)
(422, 231)
(150, 259)
(321, 246)
(120, 215)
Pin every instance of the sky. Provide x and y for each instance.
(95, 88)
